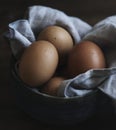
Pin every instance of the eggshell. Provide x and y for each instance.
(38, 63)
(60, 38)
(84, 56)
(51, 87)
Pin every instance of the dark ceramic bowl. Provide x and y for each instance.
(55, 110)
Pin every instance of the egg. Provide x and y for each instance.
(60, 38)
(85, 56)
(38, 63)
(51, 87)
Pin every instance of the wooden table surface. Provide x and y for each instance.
(11, 117)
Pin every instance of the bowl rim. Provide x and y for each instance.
(36, 91)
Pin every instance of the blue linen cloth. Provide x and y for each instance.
(23, 32)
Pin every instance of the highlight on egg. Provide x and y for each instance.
(38, 63)
(85, 56)
(60, 38)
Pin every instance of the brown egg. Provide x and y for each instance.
(38, 63)
(60, 38)
(51, 87)
(84, 56)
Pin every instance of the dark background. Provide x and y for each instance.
(11, 117)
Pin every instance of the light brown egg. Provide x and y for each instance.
(60, 38)
(51, 87)
(38, 63)
(84, 56)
